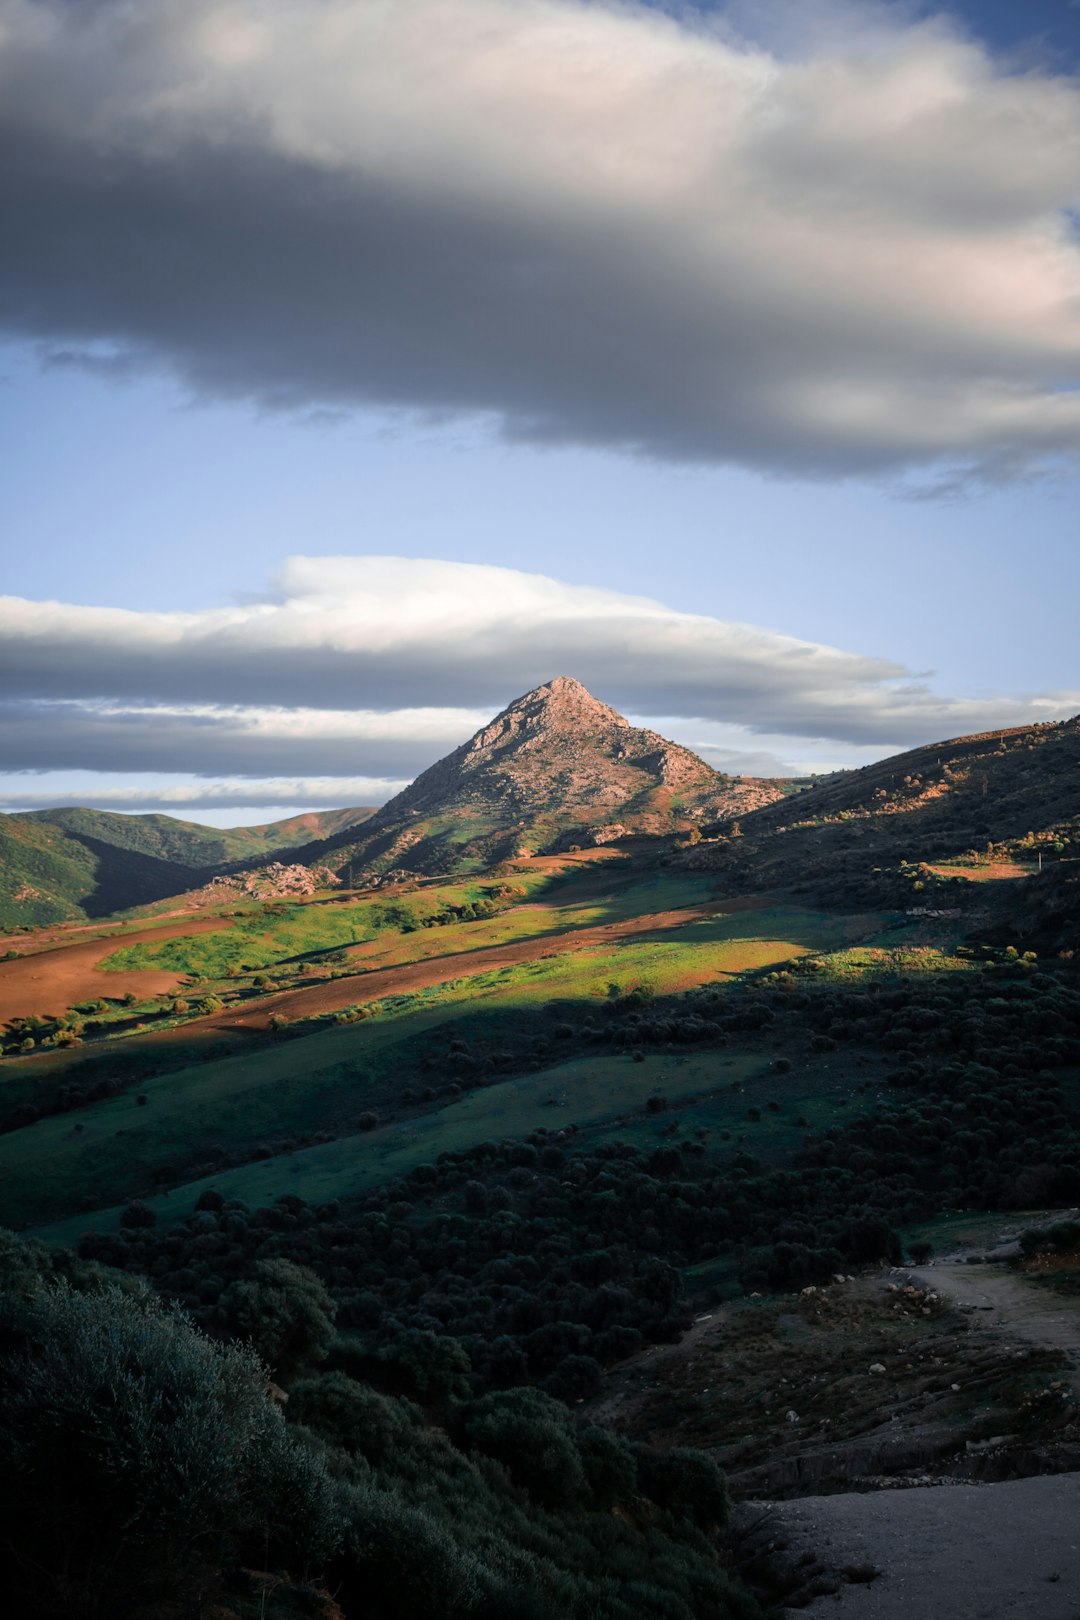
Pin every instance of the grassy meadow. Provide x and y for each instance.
(274, 1113)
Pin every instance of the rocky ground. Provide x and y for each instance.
(912, 1546)
(1009, 1551)
(902, 1445)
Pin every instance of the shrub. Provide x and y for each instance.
(430, 1365)
(530, 1434)
(136, 1455)
(350, 1414)
(688, 1483)
(399, 1561)
(576, 1378)
(610, 1466)
(283, 1311)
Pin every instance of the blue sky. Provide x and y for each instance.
(882, 469)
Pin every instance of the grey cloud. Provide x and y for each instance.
(285, 797)
(621, 662)
(78, 737)
(742, 762)
(588, 224)
(383, 637)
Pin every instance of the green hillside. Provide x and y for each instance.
(47, 875)
(71, 864)
(187, 843)
(530, 1123)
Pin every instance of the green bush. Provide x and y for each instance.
(136, 1455)
(688, 1483)
(350, 1414)
(284, 1311)
(531, 1435)
(610, 1466)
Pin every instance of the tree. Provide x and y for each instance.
(283, 1311)
(531, 1435)
(688, 1483)
(432, 1365)
(610, 1466)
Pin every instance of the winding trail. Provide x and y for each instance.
(1006, 1302)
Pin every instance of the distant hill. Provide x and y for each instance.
(1014, 792)
(48, 875)
(556, 767)
(187, 843)
(69, 864)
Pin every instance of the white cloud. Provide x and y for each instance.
(587, 222)
(222, 803)
(337, 676)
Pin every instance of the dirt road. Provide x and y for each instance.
(1004, 1300)
(955, 1552)
(1003, 1551)
(52, 981)
(327, 996)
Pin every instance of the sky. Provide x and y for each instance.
(364, 365)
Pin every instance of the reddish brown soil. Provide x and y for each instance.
(991, 873)
(331, 996)
(52, 981)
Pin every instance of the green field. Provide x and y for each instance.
(322, 1080)
(282, 933)
(604, 1097)
(582, 1092)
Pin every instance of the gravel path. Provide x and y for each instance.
(1007, 1551)
(1005, 1301)
(954, 1552)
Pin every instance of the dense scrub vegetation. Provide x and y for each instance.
(1009, 794)
(435, 1336)
(534, 1261)
(148, 1469)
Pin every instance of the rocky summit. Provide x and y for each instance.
(555, 767)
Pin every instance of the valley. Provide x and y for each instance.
(688, 1128)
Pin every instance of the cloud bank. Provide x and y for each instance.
(333, 675)
(223, 804)
(586, 223)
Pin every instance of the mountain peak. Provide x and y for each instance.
(555, 766)
(558, 703)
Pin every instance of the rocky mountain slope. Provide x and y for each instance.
(556, 767)
(996, 796)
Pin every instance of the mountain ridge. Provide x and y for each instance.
(554, 766)
(1002, 794)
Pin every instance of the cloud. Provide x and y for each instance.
(283, 795)
(335, 673)
(583, 223)
(227, 740)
